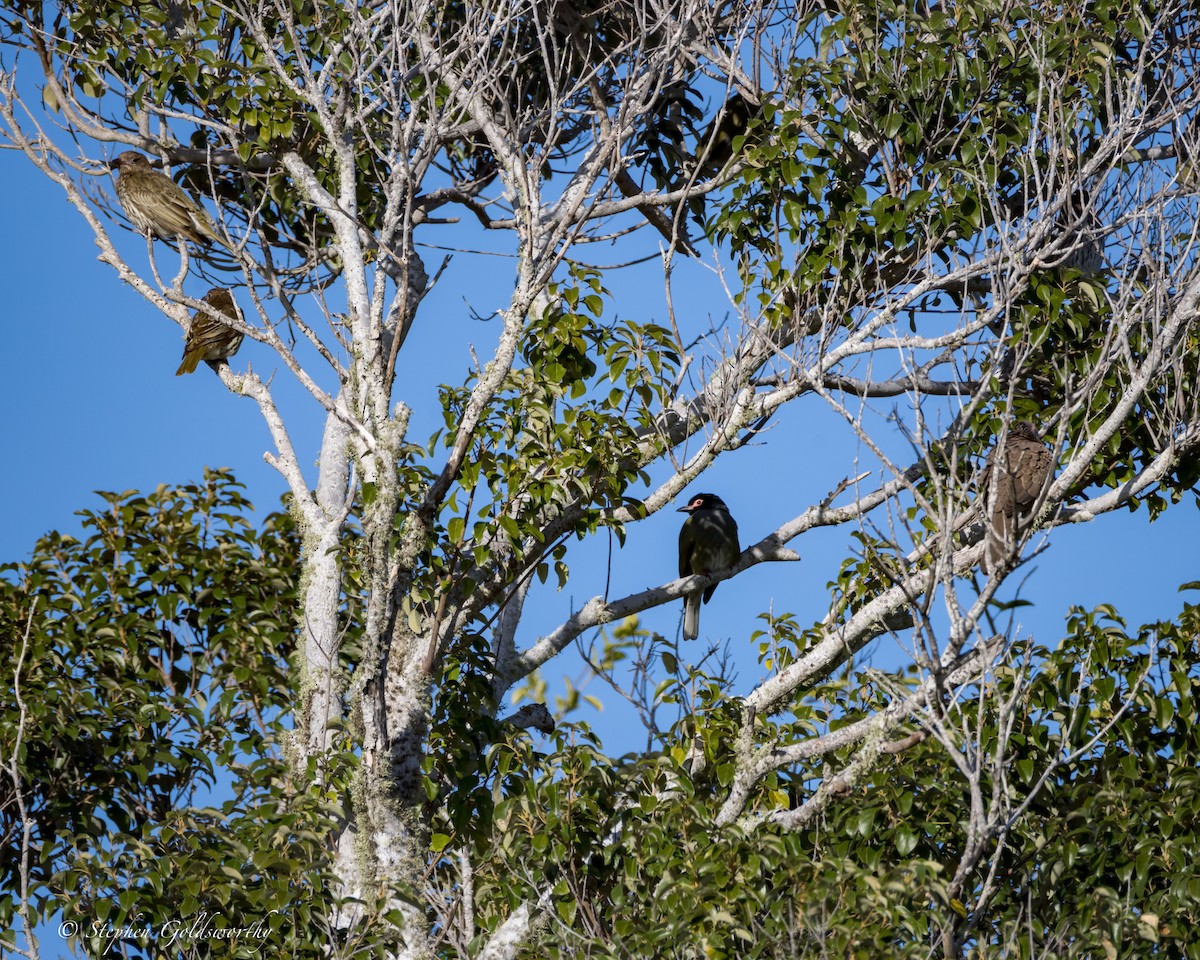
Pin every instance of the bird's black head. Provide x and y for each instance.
(703, 501)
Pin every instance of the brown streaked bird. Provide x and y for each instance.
(1187, 157)
(208, 338)
(156, 204)
(1084, 230)
(1017, 472)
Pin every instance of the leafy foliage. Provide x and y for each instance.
(1106, 734)
(224, 73)
(195, 608)
(146, 675)
(960, 170)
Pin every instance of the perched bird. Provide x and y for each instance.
(209, 338)
(1085, 232)
(157, 204)
(1087, 251)
(715, 147)
(1187, 157)
(1017, 472)
(708, 541)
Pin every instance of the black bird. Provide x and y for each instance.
(715, 147)
(708, 541)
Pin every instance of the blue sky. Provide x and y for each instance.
(89, 379)
(88, 376)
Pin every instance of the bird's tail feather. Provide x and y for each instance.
(691, 616)
(1000, 542)
(191, 360)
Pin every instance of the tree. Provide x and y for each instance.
(972, 211)
(148, 666)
